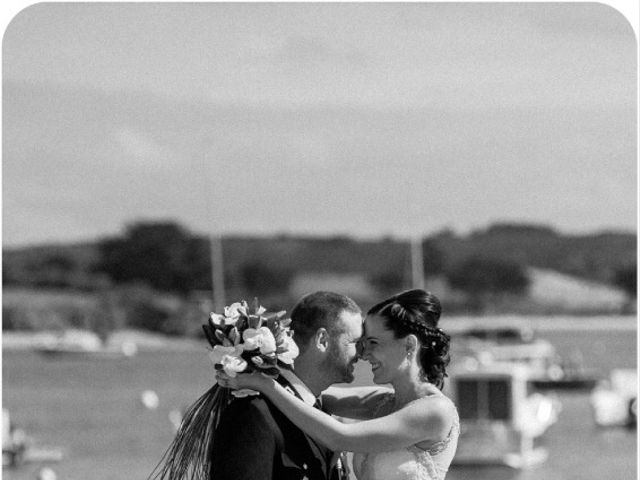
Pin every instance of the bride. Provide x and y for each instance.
(409, 432)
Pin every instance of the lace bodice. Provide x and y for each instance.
(412, 463)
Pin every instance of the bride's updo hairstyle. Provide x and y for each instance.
(417, 312)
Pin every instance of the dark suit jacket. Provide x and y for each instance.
(255, 441)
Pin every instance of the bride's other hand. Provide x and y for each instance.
(226, 381)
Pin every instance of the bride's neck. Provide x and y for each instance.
(409, 389)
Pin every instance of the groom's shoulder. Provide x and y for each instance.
(250, 414)
(249, 406)
(253, 409)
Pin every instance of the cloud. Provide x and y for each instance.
(140, 148)
(350, 169)
(306, 50)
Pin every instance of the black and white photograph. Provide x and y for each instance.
(319, 240)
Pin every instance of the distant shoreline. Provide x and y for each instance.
(545, 323)
(148, 341)
(145, 341)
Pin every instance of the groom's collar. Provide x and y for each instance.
(299, 386)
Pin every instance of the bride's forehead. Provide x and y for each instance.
(374, 325)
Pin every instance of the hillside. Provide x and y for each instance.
(595, 257)
(157, 276)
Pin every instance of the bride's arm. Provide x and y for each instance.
(421, 420)
(352, 402)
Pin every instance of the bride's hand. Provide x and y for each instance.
(253, 381)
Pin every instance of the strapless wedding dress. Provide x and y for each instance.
(411, 463)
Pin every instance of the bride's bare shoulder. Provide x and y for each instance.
(436, 412)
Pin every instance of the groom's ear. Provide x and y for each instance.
(322, 339)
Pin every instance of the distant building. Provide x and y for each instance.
(354, 285)
(550, 291)
(554, 289)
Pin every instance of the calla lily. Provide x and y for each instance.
(219, 352)
(218, 319)
(292, 350)
(233, 365)
(256, 308)
(261, 338)
(233, 311)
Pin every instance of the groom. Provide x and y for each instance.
(254, 440)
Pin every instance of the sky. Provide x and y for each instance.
(364, 119)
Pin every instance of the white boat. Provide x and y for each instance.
(513, 341)
(83, 344)
(614, 401)
(501, 421)
(18, 448)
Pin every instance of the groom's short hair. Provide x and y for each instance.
(319, 310)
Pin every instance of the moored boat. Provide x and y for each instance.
(513, 341)
(82, 345)
(18, 448)
(614, 401)
(501, 419)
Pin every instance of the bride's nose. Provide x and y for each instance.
(363, 351)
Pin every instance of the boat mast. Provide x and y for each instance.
(417, 262)
(217, 273)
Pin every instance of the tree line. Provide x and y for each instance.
(151, 259)
(167, 257)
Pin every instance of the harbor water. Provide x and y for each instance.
(93, 410)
